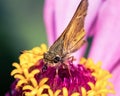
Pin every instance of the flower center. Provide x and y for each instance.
(72, 77)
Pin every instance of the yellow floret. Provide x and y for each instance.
(102, 86)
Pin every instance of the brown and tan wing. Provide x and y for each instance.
(73, 36)
(74, 33)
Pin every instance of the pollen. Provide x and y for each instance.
(84, 79)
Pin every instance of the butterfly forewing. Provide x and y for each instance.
(75, 30)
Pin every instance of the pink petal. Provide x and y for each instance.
(64, 11)
(49, 19)
(106, 42)
(93, 9)
(116, 79)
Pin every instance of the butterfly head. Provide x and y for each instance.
(51, 57)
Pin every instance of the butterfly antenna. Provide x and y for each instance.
(25, 51)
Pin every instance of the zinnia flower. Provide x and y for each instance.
(84, 79)
(33, 78)
(102, 26)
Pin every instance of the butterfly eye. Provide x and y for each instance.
(57, 59)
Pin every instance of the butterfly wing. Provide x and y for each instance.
(73, 36)
(74, 33)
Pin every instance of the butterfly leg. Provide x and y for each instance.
(67, 67)
(44, 68)
(69, 70)
(71, 59)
